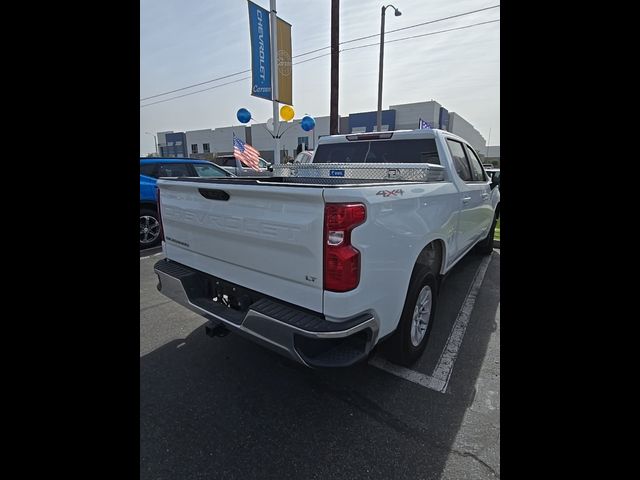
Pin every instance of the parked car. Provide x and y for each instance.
(153, 168)
(321, 271)
(304, 157)
(232, 165)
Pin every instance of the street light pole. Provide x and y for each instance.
(379, 115)
(487, 153)
(155, 142)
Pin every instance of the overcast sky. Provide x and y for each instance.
(183, 42)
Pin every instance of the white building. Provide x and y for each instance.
(199, 141)
(223, 138)
(464, 129)
(292, 135)
(398, 117)
(493, 154)
(408, 114)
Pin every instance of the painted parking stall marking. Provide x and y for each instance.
(407, 374)
(149, 256)
(448, 357)
(439, 379)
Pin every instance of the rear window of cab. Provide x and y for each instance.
(422, 150)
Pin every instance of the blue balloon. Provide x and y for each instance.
(308, 123)
(244, 115)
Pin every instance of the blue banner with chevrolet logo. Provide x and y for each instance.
(260, 52)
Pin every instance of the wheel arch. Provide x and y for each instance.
(149, 205)
(433, 254)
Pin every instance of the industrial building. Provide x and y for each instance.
(492, 155)
(209, 142)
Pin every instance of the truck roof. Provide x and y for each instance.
(391, 134)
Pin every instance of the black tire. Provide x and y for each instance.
(485, 247)
(400, 348)
(149, 220)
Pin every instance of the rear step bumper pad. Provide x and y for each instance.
(273, 324)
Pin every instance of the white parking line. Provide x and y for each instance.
(149, 256)
(448, 357)
(407, 374)
(439, 379)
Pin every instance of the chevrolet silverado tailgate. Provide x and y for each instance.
(264, 237)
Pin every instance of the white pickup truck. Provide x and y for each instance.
(322, 261)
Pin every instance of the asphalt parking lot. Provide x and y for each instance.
(227, 408)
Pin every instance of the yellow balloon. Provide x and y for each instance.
(287, 113)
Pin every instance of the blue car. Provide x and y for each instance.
(153, 168)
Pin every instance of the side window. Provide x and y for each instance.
(174, 170)
(149, 170)
(459, 160)
(476, 168)
(206, 170)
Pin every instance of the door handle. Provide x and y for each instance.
(466, 199)
(485, 195)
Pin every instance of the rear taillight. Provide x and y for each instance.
(159, 213)
(341, 259)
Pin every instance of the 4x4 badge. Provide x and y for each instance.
(390, 193)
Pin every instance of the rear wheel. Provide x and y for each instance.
(410, 339)
(149, 228)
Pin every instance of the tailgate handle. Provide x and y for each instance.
(214, 194)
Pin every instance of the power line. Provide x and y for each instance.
(314, 51)
(324, 55)
(195, 85)
(223, 84)
(312, 58)
(311, 51)
(197, 91)
(397, 30)
(422, 35)
(419, 24)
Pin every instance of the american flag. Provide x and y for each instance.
(246, 153)
(424, 125)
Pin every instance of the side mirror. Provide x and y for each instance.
(270, 167)
(495, 180)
